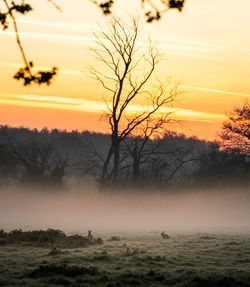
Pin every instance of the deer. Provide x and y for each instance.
(164, 235)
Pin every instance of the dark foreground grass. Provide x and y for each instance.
(185, 260)
(63, 270)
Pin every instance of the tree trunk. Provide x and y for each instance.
(136, 166)
(114, 152)
(116, 144)
(104, 177)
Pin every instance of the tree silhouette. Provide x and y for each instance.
(122, 77)
(9, 164)
(221, 168)
(140, 147)
(235, 134)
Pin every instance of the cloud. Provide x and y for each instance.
(49, 36)
(80, 73)
(199, 44)
(68, 26)
(173, 47)
(163, 38)
(216, 91)
(76, 104)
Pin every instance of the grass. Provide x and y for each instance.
(185, 260)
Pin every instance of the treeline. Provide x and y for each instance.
(58, 159)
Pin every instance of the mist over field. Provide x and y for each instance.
(79, 211)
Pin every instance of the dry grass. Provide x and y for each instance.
(206, 260)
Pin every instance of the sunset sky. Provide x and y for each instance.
(207, 47)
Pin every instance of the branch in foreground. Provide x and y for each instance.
(153, 14)
(25, 73)
(39, 78)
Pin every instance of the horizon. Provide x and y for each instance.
(169, 132)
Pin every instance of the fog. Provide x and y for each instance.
(78, 211)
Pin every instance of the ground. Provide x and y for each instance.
(137, 259)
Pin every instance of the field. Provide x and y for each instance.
(137, 259)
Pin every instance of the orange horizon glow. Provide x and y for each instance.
(86, 121)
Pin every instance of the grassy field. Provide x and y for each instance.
(143, 259)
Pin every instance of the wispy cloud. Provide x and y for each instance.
(80, 73)
(192, 55)
(4, 64)
(63, 26)
(163, 38)
(172, 47)
(199, 44)
(84, 105)
(216, 91)
(49, 36)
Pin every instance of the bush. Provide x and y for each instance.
(48, 238)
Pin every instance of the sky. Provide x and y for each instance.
(207, 49)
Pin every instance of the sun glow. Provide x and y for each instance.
(83, 105)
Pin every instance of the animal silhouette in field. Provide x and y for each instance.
(90, 236)
(164, 235)
(92, 239)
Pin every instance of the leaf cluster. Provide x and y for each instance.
(106, 6)
(178, 4)
(154, 14)
(236, 130)
(23, 8)
(39, 78)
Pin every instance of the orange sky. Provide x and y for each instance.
(207, 48)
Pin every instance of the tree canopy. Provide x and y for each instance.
(236, 130)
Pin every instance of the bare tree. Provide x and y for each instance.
(42, 164)
(124, 74)
(169, 160)
(140, 146)
(235, 134)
